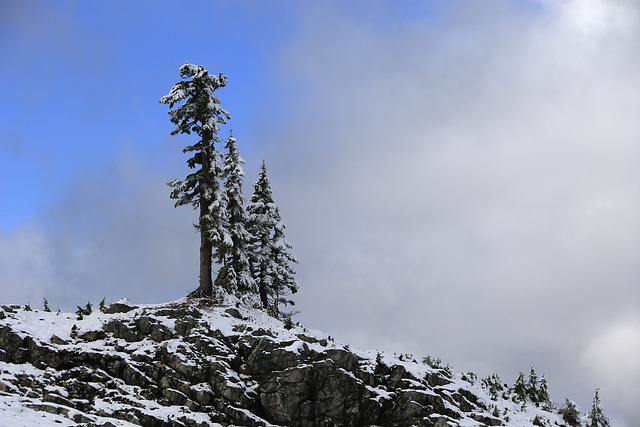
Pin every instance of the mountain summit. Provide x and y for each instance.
(208, 362)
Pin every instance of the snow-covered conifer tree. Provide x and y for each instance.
(520, 389)
(570, 413)
(598, 418)
(201, 114)
(235, 273)
(284, 282)
(270, 257)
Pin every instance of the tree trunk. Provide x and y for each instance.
(205, 289)
(206, 285)
(262, 288)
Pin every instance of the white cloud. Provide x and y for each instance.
(600, 16)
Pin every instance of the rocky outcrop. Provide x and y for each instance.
(184, 364)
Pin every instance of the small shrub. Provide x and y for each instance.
(539, 421)
(448, 370)
(433, 362)
(381, 367)
(470, 377)
(84, 311)
(288, 323)
(493, 385)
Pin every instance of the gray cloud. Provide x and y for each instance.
(119, 232)
(468, 187)
(26, 267)
(612, 357)
(114, 233)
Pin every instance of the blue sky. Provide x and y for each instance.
(457, 178)
(81, 81)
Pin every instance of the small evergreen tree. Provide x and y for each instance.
(284, 282)
(45, 304)
(532, 386)
(201, 114)
(539, 421)
(288, 323)
(270, 257)
(543, 394)
(520, 389)
(493, 385)
(235, 273)
(86, 311)
(598, 419)
(537, 389)
(262, 218)
(570, 413)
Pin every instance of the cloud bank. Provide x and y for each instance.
(469, 187)
(462, 183)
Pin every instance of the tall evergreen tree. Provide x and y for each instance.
(235, 273)
(201, 114)
(262, 219)
(270, 257)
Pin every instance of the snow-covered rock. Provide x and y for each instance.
(196, 362)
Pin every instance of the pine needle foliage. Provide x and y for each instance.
(200, 112)
(570, 413)
(233, 254)
(248, 244)
(270, 257)
(597, 417)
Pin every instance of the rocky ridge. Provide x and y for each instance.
(200, 363)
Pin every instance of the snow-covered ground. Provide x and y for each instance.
(20, 406)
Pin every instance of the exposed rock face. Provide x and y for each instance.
(182, 365)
